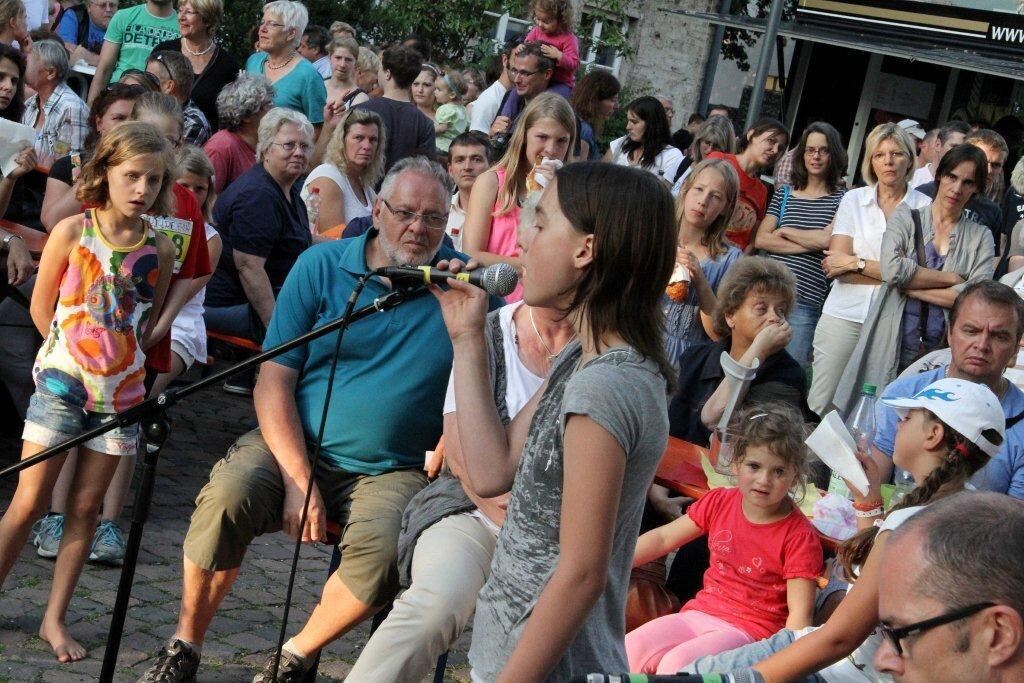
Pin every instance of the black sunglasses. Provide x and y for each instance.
(895, 635)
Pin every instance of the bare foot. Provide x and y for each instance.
(64, 646)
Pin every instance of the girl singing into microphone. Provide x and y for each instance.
(580, 456)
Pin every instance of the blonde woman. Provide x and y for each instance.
(854, 252)
(213, 66)
(714, 135)
(367, 68)
(353, 163)
(544, 130)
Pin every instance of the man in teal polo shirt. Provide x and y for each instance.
(385, 413)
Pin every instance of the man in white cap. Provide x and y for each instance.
(985, 326)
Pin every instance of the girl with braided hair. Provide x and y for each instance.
(947, 432)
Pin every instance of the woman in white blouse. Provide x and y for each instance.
(646, 142)
(852, 258)
(353, 163)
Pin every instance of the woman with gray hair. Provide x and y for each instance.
(263, 224)
(297, 85)
(854, 254)
(353, 163)
(213, 66)
(242, 105)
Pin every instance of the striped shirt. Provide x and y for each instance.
(805, 214)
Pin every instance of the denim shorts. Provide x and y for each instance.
(51, 420)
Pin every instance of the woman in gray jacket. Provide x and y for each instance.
(928, 255)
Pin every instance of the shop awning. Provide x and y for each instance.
(894, 45)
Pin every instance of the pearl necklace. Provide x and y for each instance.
(280, 66)
(192, 52)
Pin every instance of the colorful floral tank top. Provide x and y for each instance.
(91, 358)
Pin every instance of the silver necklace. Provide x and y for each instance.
(547, 349)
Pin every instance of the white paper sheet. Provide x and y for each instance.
(833, 443)
(14, 137)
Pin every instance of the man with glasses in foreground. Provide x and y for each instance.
(387, 403)
(951, 598)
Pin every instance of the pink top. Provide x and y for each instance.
(504, 237)
(230, 155)
(565, 70)
(750, 563)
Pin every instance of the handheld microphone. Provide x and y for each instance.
(499, 279)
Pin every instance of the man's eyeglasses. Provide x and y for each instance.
(433, 221)
(291, 146)
(895, 635)
(516, 73)
(104, 5)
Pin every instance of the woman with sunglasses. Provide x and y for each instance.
(213, 66)
(942, 443)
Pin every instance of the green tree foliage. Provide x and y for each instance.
(736, 42)
(459, 31)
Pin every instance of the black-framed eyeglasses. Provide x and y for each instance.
(516, 73)
(432, 221)
(895, 635)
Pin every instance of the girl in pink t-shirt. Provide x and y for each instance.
(552, 26)
(765, 555)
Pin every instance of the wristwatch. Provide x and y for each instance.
(861, 264)
(6, 242)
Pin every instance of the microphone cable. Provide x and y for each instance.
(349, 307)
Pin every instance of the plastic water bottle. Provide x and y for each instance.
(861, 424)
(313, 209)
(904, 484)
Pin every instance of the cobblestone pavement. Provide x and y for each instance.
(246, 627)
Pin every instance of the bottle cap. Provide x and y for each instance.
(869, 389)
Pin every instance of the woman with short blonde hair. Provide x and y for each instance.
(854, 255)
(213, 66)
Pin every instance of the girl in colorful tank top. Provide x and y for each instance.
(102, 278)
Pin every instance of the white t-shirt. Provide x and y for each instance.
(485, 107)
(665, 164)
(923, 175)
(188, 328)
(520, 383)
(456, 218)
(354, 208)
(860, 217)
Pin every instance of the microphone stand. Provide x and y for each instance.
(152, 416)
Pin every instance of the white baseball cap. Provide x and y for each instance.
(913, 127)
(969, 408)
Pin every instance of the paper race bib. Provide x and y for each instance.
(179, 231)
